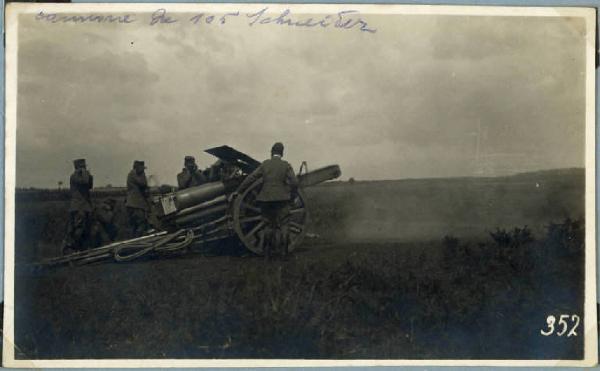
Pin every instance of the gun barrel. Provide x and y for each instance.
(211, 212)
(320, 175)
(193, 196)
(187, 204)
(201, 206)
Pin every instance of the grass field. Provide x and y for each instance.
(424, 268)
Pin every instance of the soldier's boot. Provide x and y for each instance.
(99, 236)
(267, 251)
(138, 229)
(268, 243)
(275, 240)
(284, 252)
(77, 243)
(67, 243)
(285, 243)
(67, 246)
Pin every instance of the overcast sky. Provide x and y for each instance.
(424, 96)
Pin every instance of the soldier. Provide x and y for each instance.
(221, 170)
(81, 182)
(279, 181)
(190, 176)
(104, 230)
(137, 199)
(214, 171)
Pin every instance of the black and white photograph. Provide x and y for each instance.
(299, 185)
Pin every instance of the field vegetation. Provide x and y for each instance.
(455, 268)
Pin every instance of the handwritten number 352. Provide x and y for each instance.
(562, 326)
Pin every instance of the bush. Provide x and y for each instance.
(566, 238)
(513, 239)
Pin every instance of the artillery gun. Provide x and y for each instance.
(207, 213)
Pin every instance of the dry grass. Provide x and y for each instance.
(456, 295)
(486, 300)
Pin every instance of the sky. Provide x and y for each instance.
(424, 96)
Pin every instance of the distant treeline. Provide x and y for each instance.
(554, 175)
(45, 194)
(40, 194)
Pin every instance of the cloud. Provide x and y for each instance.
(79, 101)
(454, 36)
(412, 100)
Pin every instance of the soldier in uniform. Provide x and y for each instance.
(81, 182)
(279, 181)
(190, 176)
(221, 171)
(137, 202)
(104, 230)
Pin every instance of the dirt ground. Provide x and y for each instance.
(402, 269)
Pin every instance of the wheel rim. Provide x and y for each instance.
(248, 222)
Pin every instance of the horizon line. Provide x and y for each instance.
(350, 179)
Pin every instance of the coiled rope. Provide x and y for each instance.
(157, 243)
(164, 245)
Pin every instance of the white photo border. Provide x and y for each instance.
(13, 10)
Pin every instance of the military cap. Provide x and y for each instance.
(189, 159)
(137, 163)
(79, 162)
(277, 148)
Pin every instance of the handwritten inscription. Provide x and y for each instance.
(88, 18)
(208, 18)
(160, 16)
(342, 20)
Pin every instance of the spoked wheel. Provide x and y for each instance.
(249, 224)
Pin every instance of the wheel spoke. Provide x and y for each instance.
(295, 227)
(250, 207)
(250, 219)
(249, 199)
(297, 211)
(298, 202)
(255, 229)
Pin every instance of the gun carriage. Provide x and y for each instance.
(207, 213)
